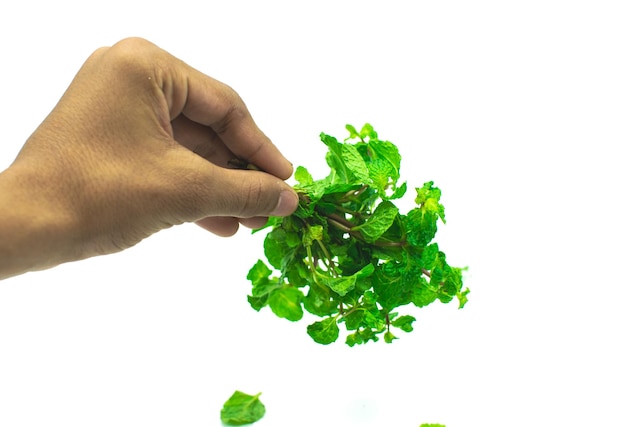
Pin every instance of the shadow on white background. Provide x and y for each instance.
(516, 112)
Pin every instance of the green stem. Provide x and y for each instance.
(387, 322)
(346, 226)
(339, 222)
(311, 264)
(348, 211)
(330, 264)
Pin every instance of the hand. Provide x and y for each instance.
(139, 142)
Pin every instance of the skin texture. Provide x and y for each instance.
(139, 142)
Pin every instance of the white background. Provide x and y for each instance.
(516, 111)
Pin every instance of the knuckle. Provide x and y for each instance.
(235, 114)
(254, 201)
(133, 55)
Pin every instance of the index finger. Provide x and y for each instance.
(214, 104)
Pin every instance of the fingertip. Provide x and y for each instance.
(254, 222)
(220, 226)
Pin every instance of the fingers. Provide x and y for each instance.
(221, 226)
(205, 190)
(202, 141)
(198, 97)
(250, 194)
(254, 222)
(228, 226)
(217, 106)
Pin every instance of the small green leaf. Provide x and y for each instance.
(379, 172)
(429, 256)
(389, 337)
(241, 409)
(318, 301)
(355, 163)
(354, 339)
(303, 176)
(367, 131)
(389, 152)
(421, 227)
(259, 273)
(354, 319)
(404, 323)
(312, 233)
(353, 132)
(325, 331)
(275, 247)
(428, 198)
(286, 302)
(258, 303)
(344, 284)
(424, 293)
(462, 297)
(382, 218)
(339, 172)
(341, 285)
(399, 192)
(394, 285)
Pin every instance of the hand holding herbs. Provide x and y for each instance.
(348, 255)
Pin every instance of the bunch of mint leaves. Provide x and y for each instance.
(347, 254)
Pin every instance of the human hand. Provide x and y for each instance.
(139, 142)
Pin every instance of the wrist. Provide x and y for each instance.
(35, 232)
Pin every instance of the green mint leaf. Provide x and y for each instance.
(424, 294)
(257, 303)
(262, 285)
(429, 256)
(325, 331)
(421, 227)
(428, 197)
(367, 131)
(275, 247)
(344, 284)
(354, 163)
(286, 302)
(311, 234)
(259, 273)
(241, 409)
(462, 297)
(353, 320)
(379, 171)
(353, 132)
(389, 337)
(379, 222)
(388, 152)
(394, 284)
(404, 323)
(318, 301)
(340, 285)
(399, 192)
(303, 176)
(339, 171)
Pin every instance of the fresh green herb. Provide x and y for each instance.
(432, 425)
(242, 408)
(348, 255)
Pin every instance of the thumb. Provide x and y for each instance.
(246, 194)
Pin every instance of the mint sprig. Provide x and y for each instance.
(348, 255)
